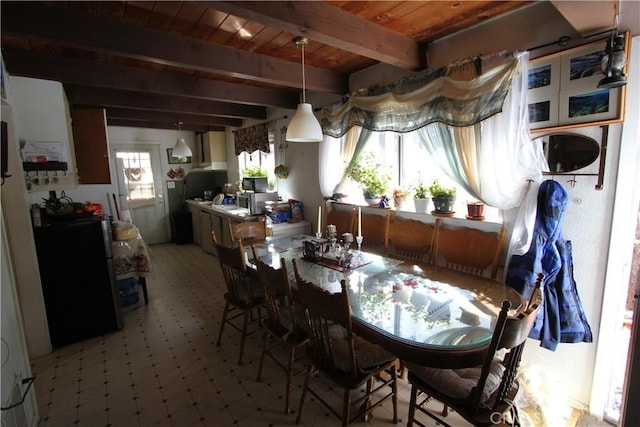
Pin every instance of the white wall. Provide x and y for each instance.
(15, 359)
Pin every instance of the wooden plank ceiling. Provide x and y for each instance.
(214, 64)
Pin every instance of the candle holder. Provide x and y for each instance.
(359, 240)
(318, 236)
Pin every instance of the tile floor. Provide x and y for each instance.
(164, 369)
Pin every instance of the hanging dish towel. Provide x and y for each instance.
(561, 318)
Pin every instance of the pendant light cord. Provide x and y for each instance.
(304, 99)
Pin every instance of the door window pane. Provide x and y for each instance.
(138, 176)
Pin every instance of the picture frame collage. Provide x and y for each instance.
(563, 90)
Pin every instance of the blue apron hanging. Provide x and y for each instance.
(561, 317)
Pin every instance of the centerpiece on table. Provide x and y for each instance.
(371, 175)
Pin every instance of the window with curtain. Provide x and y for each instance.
(471, 119)
(259, 159)
(409, 162)
(255, 148)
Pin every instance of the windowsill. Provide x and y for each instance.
(492, 215)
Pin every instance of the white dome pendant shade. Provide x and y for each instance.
(303, 127)
(181, 149)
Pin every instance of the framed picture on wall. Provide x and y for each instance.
(582, 66)
(588, 105)
(563, 89)
(544, 75)
(543, 110)
(176, 159)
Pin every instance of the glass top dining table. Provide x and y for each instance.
(421, 313)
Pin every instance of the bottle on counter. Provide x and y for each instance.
(35, 215)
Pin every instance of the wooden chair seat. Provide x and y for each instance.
(243, 295)
(478, 393)
(337, 353)
(281, 323)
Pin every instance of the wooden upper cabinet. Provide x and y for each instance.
(90, 141)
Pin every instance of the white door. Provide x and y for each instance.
(141, 191)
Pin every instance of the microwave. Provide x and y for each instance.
(257, 184)
(255, 202)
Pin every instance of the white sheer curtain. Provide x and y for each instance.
(495, 160)
(334, 157)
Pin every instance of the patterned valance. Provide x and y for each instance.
(252, 138)
(462, 94)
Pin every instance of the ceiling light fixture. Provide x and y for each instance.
(614, 58)
(303, 127)
(181, 149)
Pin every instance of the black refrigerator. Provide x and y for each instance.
(75, 260)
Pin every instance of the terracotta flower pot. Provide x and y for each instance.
(475, 209)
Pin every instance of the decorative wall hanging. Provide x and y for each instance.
(563, 90)
(177, 159)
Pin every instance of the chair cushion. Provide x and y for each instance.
(458, 383)
(243, 295)
(368, 354)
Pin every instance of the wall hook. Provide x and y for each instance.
(572, 182)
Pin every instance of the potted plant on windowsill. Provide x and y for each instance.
(371, 175)
(400, 196)
(421, 198)
(443, 198)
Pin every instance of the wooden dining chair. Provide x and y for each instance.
(374, 232)
(469, 250)
(244, 294)
(343, 220)
(346, 359)
(411, 240)
(249, 231)
(482, 394)
(282, 322)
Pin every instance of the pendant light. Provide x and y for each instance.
(303, 127)
(181, 149)
(614, 58)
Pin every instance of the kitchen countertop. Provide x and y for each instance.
(231, 211)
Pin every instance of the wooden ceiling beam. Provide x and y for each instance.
(160, 125)
(149, 101)
(94, 33)
(170, 117)
(102, 74)
(331, 26)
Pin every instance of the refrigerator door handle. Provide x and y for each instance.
(108, 237)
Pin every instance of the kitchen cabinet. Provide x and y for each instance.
(207, 221)
(195, 222)
(91, 147)
(213, 150)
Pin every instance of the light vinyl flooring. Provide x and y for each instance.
(164, 368)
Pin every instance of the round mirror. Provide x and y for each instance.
(567, 152)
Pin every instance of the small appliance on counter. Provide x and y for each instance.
(257, 184)
(255, 202)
